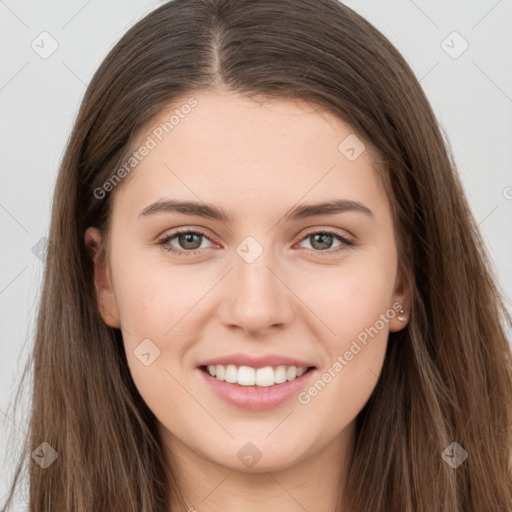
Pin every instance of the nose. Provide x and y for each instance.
(258, 298)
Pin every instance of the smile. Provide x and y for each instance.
(258, 377)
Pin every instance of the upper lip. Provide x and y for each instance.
(256, 361)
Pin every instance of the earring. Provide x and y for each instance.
(401, 315)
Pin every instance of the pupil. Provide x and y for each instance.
(188, 238)
(325, 244)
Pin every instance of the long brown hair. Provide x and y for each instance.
(447, 376)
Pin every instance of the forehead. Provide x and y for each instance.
(222, 145)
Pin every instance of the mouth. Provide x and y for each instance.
(247, 376)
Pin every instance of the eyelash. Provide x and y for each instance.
(165, 241)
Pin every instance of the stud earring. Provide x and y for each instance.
(401, 315)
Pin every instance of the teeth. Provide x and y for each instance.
(247, 376)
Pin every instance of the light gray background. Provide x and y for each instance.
(39, 99)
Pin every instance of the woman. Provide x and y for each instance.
(367, 370)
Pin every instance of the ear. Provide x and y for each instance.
(102, 282)
(401, 299)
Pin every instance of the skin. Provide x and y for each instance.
(256, 159)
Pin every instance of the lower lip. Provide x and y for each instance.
(257, 398)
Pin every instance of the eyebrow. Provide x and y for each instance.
(214, 212)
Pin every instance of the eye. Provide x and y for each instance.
(189, 239)
(321, 240)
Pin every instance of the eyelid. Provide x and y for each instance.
(326, 229)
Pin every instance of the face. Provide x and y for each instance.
(318, 287)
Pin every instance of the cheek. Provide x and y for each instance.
(365, 298)
(152, 297)
(353, 302)
(153, 303)
(159, 303)
(352, 297)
